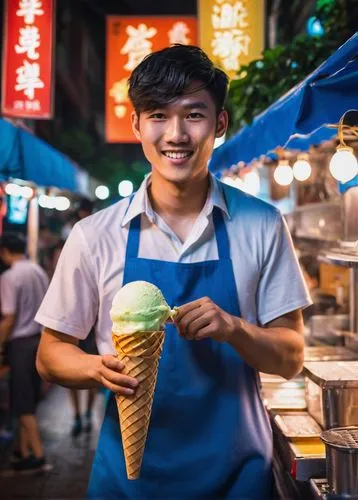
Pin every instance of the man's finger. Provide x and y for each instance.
(123, 391)
(112, 362)
(183, 310)
(119, 379)
(197, 325)
(184, 325)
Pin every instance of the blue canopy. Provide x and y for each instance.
(25, 156)
(298, 118)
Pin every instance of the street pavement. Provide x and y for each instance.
(69, 459)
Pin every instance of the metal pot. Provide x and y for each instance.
(342, 460)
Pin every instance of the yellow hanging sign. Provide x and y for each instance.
(232, 32)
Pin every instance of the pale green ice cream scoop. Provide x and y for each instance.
(139, 306)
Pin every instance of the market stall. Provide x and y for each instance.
(35, 174)
(315, 118)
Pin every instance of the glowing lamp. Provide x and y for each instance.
(302, 168)
(283, 173)
(102, 192)
(343, 165)
(125, 188)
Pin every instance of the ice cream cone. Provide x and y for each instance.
(139, 352)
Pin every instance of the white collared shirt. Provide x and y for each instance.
(22, 288)
(90, 269)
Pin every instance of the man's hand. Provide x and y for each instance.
(203, 319)
(112, 378)
(61, 361)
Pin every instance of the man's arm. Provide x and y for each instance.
(275, 348)
(61, 361)
(6, 326)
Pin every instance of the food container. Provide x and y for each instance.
(342, 460)
(281, 394)
(329, 353)
(331, 389)
(327, 327)
(297, 426)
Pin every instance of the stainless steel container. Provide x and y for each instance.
(329, 353)
(342, 460)
(327, 327)
(331, 389)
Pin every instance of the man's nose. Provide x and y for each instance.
(176, 131)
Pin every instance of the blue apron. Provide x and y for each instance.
(209, 436)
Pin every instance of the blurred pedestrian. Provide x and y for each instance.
(22, 289)
(84, 422)
(80, 422)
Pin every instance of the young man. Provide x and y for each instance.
(22, 288)
(224, 257)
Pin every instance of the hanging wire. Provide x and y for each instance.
(343, 127)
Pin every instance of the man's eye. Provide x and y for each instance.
(157, 116)
(195, 116)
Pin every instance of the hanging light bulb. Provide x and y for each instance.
(228, 180)
(302, 168)
(102, 192)
(283, 173)
(125, 188)
(251, 183)
(343, 165)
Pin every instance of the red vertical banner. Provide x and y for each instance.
(27, 59)
(129, 40)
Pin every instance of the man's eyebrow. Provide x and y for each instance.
(197, 105)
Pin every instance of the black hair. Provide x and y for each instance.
(165, 75)
(13, 242)
(86, 204)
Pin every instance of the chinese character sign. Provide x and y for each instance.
(129, 40)
(27, 58)
(231, 32)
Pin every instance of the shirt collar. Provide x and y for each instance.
(141, 204)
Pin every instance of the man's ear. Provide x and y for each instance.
(135, 124)
(221, 123)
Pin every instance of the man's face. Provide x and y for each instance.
(178, 139)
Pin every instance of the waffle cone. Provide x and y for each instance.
(139, 353)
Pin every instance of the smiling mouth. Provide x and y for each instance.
(177, 155)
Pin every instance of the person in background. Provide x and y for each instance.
(88, 345)
(22, 288)
(225, 258)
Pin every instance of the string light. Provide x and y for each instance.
(302, 168)
(344, 165)
(251, 183)
(283, 173)
(62, 203)
(102, 192)
(125, 188)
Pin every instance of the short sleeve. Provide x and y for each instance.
(281, 288)
(71, 303)
(8, 295)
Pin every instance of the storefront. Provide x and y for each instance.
(36, 178)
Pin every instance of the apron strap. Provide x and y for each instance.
(222, 238)
(133, 235)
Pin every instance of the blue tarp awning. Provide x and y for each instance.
(298, 118)
(25, 156)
